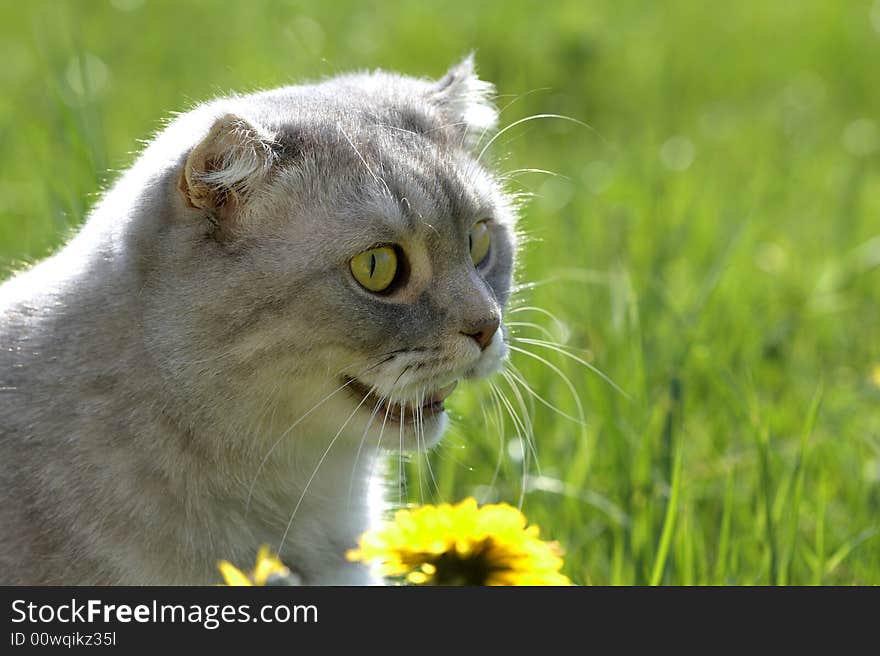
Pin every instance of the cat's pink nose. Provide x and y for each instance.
(483, 332)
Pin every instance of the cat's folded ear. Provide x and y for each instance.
(465, 101)
(225, 168)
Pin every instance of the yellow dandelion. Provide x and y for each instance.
(462, 544)
(875, 375)
(269, 570)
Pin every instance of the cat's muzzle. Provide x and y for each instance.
(400, 411)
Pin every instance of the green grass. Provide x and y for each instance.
(712, 244)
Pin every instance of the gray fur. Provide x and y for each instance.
(153, 371)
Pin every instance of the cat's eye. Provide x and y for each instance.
(375, 269)
(479, 241)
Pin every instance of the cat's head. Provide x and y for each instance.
(341, 253)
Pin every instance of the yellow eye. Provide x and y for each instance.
(479, 240)
(375, 269)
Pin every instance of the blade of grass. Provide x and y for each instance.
(668, 521)
(721, 561)
(799, 468)
(847, 548)
(821, 508)
(763, 439)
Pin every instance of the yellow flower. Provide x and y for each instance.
(875, 375)
(269, 570)
(462, 545)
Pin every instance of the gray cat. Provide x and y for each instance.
(282, 288)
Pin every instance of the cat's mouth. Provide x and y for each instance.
(398, 411)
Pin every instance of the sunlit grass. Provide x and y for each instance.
(711, 244)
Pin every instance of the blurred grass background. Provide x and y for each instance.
(712, 245)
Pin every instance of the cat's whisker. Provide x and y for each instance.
(381, 433)
(318, 467)
(378, 179)
(529, 324)
(516, 98)
(418, 454)
(269, 405)
(514, 173)
(560, 324)
(486, 422)
(396, 128)
(521, 287)
(379, 401)
(559, 348)
(401, 472)
(431, 477)
(416, 423)
(521, 198)
(527, 419)
(274, 401)
(453, 124)
(505, 404)
(514, 417)
(518, 377)
(499, 427)
(379, 442)
(535, 117)
(565, 379)
(298, 421)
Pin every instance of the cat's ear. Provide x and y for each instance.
(223, 170)
(465, 100)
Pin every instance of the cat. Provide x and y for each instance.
(284, 287)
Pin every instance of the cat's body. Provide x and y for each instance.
(188, 378)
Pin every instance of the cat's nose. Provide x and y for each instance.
(483, 331)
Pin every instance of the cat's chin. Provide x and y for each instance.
(409, 412)
(403, 425)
